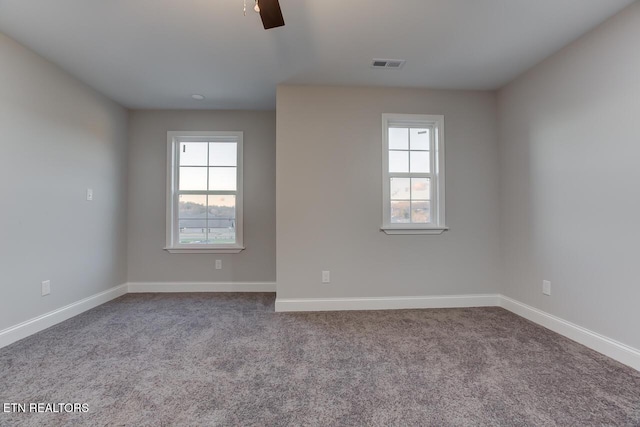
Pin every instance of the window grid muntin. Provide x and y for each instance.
(207, 193)
(430, 175)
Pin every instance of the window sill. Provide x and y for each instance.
(413, 230)
(219, 250)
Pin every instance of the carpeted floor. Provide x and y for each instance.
(229, 360)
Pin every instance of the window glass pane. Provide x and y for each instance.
(420, 139)
(420, 212)
(420, 161)
(420, 188)
(398, 139)
(398, 161)
(221, 235)
(192, 231)
(222, 207)
(400, 188)
(400, 212)
(193, 154)
(222, 219)
(222, 179)
(192, 207)
(222, 153)
(193, 178)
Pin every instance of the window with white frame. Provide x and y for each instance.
(413, 174)
(204, 192)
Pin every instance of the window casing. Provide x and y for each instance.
(413, 174)
(204, 192)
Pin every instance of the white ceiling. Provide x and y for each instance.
(156, 53)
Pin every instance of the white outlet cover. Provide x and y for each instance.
(218, 264)
(46, 287)
(546, 287)
(326, 277)
(89, 194)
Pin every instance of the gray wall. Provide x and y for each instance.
(58, 138)
(570, 174)
(329, 180)
(148, 262)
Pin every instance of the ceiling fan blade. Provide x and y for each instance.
(271, 14)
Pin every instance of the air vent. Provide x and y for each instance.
(387, 63)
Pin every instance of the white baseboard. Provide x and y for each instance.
(141, 287)
(386, 303)
(595, 341)
(609, 347)
(37, 324)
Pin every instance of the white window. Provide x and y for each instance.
(413, 174)
(204, 192)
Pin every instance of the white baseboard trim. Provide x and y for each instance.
(609, 347)
(141, 287)
(386, 303)
(40, 323)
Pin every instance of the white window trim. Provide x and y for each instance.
(436, 122)
(173, 143)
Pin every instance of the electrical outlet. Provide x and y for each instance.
(326, 277)
(46, 287)
(218, 264)
(89, 194)
(546, 287)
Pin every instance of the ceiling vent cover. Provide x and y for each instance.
(387, 63)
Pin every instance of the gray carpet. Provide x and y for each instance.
(229, 360)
